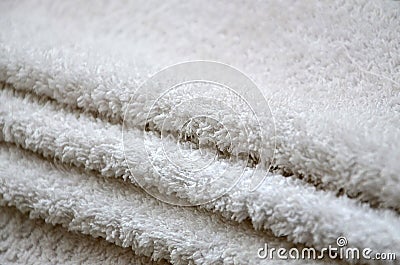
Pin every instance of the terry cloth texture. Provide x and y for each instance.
(330, 71)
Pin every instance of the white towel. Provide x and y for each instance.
(70, 76)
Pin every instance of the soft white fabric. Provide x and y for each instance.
(27, 241)
(329, 70)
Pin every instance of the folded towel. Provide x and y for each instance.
(286, 206)
(72, 76)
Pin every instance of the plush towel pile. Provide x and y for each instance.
(75, 189)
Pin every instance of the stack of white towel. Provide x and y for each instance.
(70, 73)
